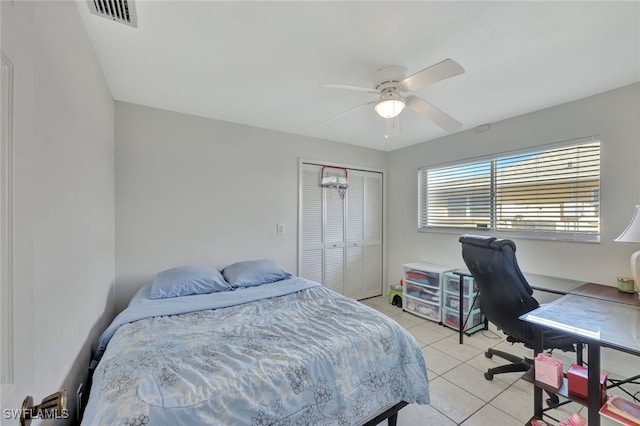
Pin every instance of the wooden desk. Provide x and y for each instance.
(605, 292)
(555, 285)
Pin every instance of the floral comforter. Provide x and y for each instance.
(311, 357)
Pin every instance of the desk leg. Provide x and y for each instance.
(593, 351)
(537, 392)
(461, 303)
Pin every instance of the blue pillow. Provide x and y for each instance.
(250, 273)
(187, 280)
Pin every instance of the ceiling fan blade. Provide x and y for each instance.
(349, 87)
(440, 71)
(348, 112)
(433, 114)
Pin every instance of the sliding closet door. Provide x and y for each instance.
(341, 239)
(364, 235)
(333, 240)
(311, 250)
(321, 256)
(355, 236)
(373, 235)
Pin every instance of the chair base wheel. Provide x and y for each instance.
(488, 376)
(488, 354)
(553, 401)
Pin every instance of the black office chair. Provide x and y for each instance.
(505, 295)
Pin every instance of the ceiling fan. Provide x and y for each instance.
(390, 82)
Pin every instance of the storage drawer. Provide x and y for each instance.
(452, 284)
(452, 319)
(421, 292)
(423, 277)
(422, 308)
(452, 301)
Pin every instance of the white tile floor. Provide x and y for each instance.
(460, 395)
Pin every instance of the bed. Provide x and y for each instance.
(285, 352)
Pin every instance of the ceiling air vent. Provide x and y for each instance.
(122, 11)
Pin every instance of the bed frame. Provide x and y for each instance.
(391, 415)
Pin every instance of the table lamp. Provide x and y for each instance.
(632, 235)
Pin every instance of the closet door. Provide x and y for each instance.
(333, 240)
(321, 255)
(341, 239)
(311, 251)
(373, 235)
(364, 235)
(355, 281)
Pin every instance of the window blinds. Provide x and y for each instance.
(553, 191)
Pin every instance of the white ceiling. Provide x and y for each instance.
(262, 63)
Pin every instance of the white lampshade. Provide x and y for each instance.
(389, 105)
(632, 233)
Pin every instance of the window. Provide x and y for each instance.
(553, 193)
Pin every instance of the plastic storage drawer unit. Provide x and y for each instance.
(423, 289)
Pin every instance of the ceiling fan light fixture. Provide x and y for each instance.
(390, 104)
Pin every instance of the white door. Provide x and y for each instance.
(373, 235)
(16, 301)
(333, 240)
(341, 239)
(354, 259)
(364, 235)
(321, 253)
(311, 246)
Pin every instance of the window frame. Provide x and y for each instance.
(492, 159)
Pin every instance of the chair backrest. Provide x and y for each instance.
(504, 291)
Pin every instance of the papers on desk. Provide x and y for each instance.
(564, 327)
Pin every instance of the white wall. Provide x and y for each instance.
(615, 115)
(243, 181)
(191, 190)
(64, 197)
